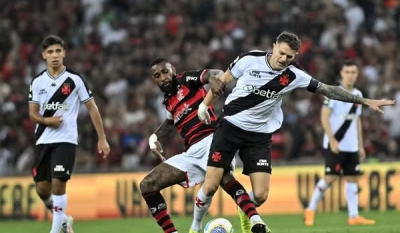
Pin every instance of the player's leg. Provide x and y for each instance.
(42, 176)
(332, 171)
(352, 172)
(162, 176)
(201, 207)
(61, 165)
(256, 157)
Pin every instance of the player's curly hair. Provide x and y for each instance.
(289, 38)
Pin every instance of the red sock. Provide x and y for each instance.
(158, 209)
(242, 199)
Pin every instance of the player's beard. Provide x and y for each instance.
(171, 87)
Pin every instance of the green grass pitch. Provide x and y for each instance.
(387, 222)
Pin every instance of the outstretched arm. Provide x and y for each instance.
(338, 93)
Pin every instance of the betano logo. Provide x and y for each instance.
(265, 93)
(55, 106)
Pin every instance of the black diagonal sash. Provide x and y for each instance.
(339, 135)
(60, 95)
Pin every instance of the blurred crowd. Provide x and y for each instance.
(112, 42)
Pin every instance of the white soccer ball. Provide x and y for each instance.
(218, 225)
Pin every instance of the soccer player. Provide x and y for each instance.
(54, 100)
(183, 94)
(343, 144)
(252, 113)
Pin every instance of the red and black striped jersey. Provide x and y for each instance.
(182, 105)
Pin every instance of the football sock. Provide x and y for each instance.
(201, 206)
(352, 199)
(49, 205)
(319, 192)
(59, 208)
(158, 209)
(242, 199)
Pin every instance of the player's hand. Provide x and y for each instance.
(54, 121)
(203, 114)
(217, 86)
(334, 146)
(375, 104)
(361, 154)
(156, 147)
(103, 147)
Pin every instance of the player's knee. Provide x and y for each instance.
(329, 179)
(226, 178)
(58, 187)
(210, 188)
(148, 184)
(261, 195)
(43, 190)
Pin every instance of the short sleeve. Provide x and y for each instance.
(83, 91)
(192, 78)
(238, 66)
(33, 96)
(305, 80)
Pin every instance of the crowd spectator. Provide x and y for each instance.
(112, 42)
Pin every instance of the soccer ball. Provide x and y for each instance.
(218, 225)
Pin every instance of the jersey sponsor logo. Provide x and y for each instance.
(262, 162)
(182, 112)
(266, 93)
(55, 106)
(191, 78)
(42, 91)
(259, 74)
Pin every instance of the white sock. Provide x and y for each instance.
(319, 192)
(60, 205)
(201, 206)
(251, 194)
(352, 199)
(49, 205)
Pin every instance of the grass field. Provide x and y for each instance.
(388, 222)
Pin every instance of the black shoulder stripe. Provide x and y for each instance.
(80, 76)
(254, 53)
(38, 75)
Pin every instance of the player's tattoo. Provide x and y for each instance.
(210, 73)
(338, 93)
(161, 177)
(166, 129)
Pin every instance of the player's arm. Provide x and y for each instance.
(326, 124)
(338, 93)
(34, 114)
(225, 78)
(96, 118)
(360, 134)
(166, 129)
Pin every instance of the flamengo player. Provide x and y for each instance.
(252, 113)
(183, 94)
(54, 100)
(343, 143)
